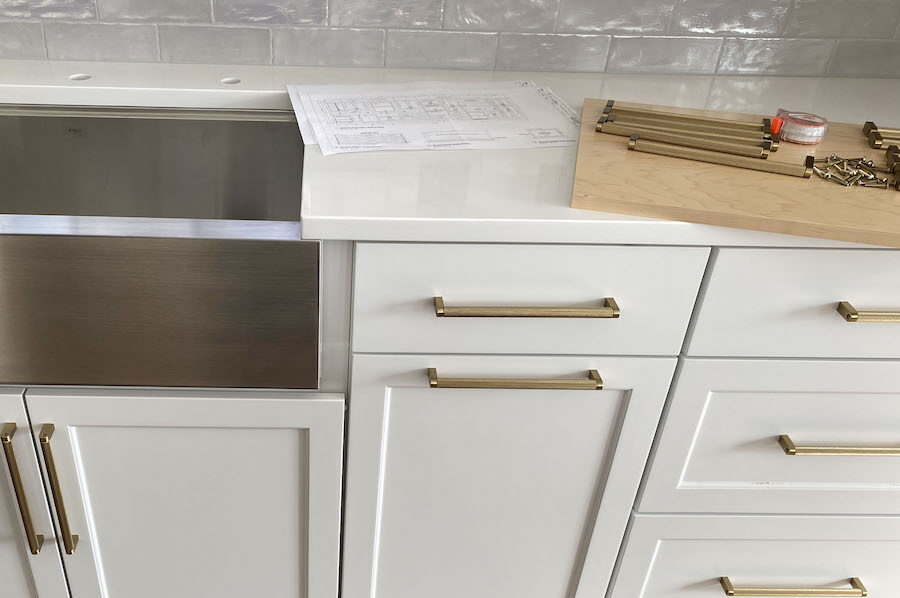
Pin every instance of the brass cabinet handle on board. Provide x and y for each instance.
(853, 451)
(610, 309)
(592, 382)
(805, 170)
(850, 313)
(35, 541)
(70, 540)
(856, 589)
(724, 123)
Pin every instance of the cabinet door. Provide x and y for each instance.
(23, 574)
(494, 492)
(195, 493)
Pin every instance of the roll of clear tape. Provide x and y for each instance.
(802, 127)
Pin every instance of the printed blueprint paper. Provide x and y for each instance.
(432, 116)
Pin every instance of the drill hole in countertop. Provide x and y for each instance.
(230, 81)
(80, 76)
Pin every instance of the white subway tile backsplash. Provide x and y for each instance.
(844, 18)
(101, 41)
(328, 47)
(162, 11)
(866, 58)
(508, 15)
(736, 17)
(21, 40)
(729, 37)
(214, 45)
(386, 13)
(48, 9)
(282, 12)
(616, 16)
(441, 49)
(789, 57)
(552, 52)
(664, 55)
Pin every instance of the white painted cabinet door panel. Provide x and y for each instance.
(197, 493)
(493, 493)
(684, 556)
(395, 285)
(719, 448)
(22, 574)
(783, 303)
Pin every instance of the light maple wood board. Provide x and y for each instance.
(610, 178)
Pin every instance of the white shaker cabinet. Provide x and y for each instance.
(493, 492)
(193, 493)
(25, 525)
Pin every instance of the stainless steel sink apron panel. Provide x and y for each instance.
(142, 165)
(154, 248)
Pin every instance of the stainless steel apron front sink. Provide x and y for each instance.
(154, 248)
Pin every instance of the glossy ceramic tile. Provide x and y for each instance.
(650, 36)
(552, 52)
(48, 9)
(844, 18)
(664, 55)
(866, 58)
(310, 12)
(441, 49)
(763, 95)
(616, 16)
(101, 41)
(163, 11)
(386, 13)
(328, 47)
(509, 15)
(800, 57)
(214, 45)
(21, 40)
(678, 90)
(735, 17)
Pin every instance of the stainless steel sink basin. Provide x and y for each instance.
(243, 165)
(154, 248)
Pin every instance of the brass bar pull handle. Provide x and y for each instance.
(805, 170)
(610, 309)
(70, 540)
(35, 541)
(750, 149)
(760, 125)
(592, 382)
(856, 589)
(849, 451)
(629, 128)
(682, 128)
(851, 314)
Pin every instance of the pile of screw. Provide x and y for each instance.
(851, 172)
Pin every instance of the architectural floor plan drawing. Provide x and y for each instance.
(421, 116)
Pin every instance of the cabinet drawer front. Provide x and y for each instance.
(501, 491)
(396, 286)
(784, 302)
(725, 441)
(686, 556)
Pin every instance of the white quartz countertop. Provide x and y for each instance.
(458, 196)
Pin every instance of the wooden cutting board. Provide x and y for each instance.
(610, 178)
